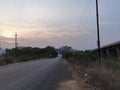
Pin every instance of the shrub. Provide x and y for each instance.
(104, 77)
(8, 59)
(82, 57)
(27, 53)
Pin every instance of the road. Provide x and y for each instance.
(33, 75)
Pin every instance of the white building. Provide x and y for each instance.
(2, 51)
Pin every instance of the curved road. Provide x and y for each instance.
(33, 75)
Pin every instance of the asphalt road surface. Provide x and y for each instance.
(33, 75)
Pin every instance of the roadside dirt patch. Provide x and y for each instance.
(77, 83)
(68, 85)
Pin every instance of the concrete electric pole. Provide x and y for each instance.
(98, 32)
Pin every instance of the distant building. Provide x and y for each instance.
(2, 51)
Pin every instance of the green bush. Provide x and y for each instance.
(67, 55)
(27, 54)
(8, 59)
(84, 57)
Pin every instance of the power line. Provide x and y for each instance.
(86, 9)
(90, 7)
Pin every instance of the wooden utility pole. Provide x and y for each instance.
(98, 32)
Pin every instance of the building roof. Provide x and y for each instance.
(115, 44)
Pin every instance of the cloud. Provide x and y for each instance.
(37, 34)
(45, 22)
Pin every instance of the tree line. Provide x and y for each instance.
(27, 53)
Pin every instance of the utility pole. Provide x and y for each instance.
(16, 45)
(98, 33)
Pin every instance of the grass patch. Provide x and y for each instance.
(104, 77)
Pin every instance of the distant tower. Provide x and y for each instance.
(0, 43)
(16, 45)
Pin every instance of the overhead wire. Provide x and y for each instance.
(88, 13)
(83, 6)
(86, 9)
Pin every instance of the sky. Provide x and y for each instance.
(40, 23)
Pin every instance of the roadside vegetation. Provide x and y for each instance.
(105, 76)
(26, 54)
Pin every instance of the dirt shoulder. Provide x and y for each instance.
(77, 83)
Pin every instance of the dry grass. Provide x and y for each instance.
(103, 77)
(77, 83)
